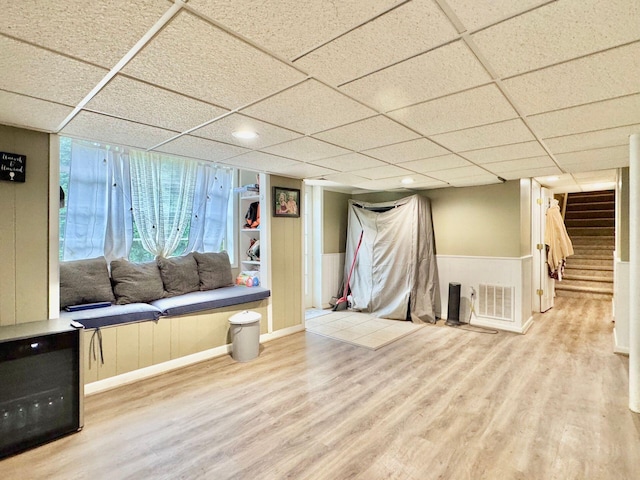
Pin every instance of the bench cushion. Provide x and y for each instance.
(210, 299)
(113, 315)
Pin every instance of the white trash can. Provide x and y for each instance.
(245, 335)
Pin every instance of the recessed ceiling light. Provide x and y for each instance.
(552, 179)
(407, 181)
(244, 134)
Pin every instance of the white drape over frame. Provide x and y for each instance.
(395, 274)
(162, 189)
(98, 203)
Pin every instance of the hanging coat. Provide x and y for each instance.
(559, 245)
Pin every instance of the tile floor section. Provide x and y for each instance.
(358, 328)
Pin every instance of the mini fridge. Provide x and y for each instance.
(41, 389)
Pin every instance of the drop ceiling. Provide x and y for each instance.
(358, 95)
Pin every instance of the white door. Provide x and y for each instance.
(543, 286)
(547, 284)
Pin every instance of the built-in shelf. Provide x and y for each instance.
(248, 235)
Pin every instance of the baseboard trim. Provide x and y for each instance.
(498, 325)
(170, 365)
(616, 347)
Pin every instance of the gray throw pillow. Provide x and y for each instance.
(85, 281)
(214, 270)
(179, 274)
(136, 282)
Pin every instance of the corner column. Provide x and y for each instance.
(634, 272)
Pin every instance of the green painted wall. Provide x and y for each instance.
(24, 230)
(474, 221)
(334, 221)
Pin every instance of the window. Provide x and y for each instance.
(127, 203)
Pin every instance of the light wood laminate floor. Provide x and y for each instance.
(439, 403)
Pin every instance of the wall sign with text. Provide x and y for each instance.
(13, 167)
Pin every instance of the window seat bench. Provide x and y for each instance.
(164, 307)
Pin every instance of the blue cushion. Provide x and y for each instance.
(209, 299)
(113, 315)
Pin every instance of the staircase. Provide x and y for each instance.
(590, 221)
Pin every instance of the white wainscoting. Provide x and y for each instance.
(472, 271)
(621, 307)
(332, 272)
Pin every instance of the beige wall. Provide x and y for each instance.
(286, 263)
(24, 228)
(334, 222)
(473, 221)
(526, 189)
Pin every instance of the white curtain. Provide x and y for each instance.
(209, 213)
(98, 203)
(162, 189)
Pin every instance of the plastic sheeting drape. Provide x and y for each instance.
(395, 274)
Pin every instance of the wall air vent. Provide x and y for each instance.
(496, 301)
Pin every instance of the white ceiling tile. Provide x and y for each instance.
(558, 182)
(309, 107)
(423, 182)
(406, 151)
(503, 133)
(504, 152)
(366, 134)
(529, 172)
(30, 112)
(306, 149)
(470, 108)
(193, 57)
(99, 32)
(222, 129)
(596, 159)
(460, 172)
(444, 162)
(134, 100)
(601, 76)
(599, 176)
(32, 71)
(387, 184)
(195, 147)
(102, 128)
(304, 170)
(386, 171)
(476, 180)
(442, 71)
(478, 13)
(520, 165)
(591, 140)
(345, 178)
(558, 32)
(261, 162)
(349, 162)
(291, 27)
(380, 43)
(585, 118)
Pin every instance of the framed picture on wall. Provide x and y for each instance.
(286, 202)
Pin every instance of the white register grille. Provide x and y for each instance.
(496, 301)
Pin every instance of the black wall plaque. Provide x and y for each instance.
(13, 167)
